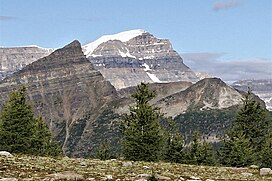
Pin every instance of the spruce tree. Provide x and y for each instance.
(200, 153)
(245, 141)
(17, 124)
(237, 151)
(104, 151)
(43, 143)
(173, 143)
(21, 131)
(251, 121)
(141, 128)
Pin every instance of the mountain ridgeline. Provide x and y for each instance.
(82, 91)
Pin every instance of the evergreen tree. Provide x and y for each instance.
(17, 124)
(43, 144)
(141, 128)
(266, 153)
(251, 121)
(104, 151)
(173, 143)
(21, 131)
(237, 151)
(247, 135)
(200, 153)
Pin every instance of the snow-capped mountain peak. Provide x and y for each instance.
(122, 36)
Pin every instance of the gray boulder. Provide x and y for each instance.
(6, 154)
(265, 171)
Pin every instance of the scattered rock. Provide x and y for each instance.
(109, 177)
(90, 179)
(83, 164)
(247, 174)
(160, 177)
(8, 179)
(64, 176)
(146, 167)
(265, 171)
(5, 153)
(143, 176)
(237, 170)
(194, 178)
(181, 178)
(253, 166)
(127, 164)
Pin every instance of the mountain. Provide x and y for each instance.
(128, 58)
(262, 88)
(66, 90)
(14, 59)
(125, 59)
(209, 93)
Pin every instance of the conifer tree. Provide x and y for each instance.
(21, 131)
(43, 143)
(17, 124)
(237, 151)
(104, 151)
(245, 142)
(251, 121)
(174, 143)
(141, 128)
(200, 153)
(266, 153)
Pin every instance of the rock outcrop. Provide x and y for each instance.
(14, 59)
(70, 94)
(131, 57)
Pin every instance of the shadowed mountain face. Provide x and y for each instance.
(69, 93)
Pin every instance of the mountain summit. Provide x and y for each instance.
(128, 58)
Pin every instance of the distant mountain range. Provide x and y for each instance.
(82, 107)
(81, 91)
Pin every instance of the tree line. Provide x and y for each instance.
(247, 142)
(147, 135)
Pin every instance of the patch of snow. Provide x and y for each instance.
(146, 67)
(153, 77)
(123, 37)
(127, 54)
(149, 57)
(93, 55)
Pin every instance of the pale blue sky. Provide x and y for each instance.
(230, 30)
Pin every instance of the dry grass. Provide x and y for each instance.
(36, 168)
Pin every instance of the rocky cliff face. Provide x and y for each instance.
(128, 58)
(14, 59)
(70, 94)
(262, 88)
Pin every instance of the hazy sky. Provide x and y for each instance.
(216, 36)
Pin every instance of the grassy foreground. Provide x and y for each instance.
(37, 168)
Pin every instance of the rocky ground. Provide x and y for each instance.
(21, 167)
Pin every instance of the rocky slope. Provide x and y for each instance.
(131, 57)
(262, 88)
(209, 93)
(14, 59)
(70, 94)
